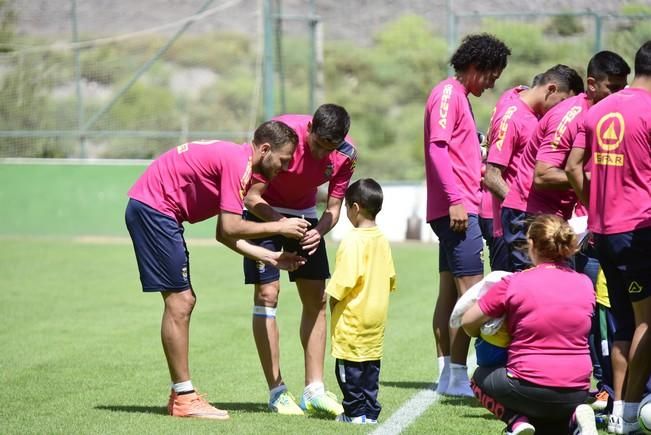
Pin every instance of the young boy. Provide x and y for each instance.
(359, 299)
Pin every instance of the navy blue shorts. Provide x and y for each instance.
(163, 258)
(256, 272)
(515, 224)
(498, 252)
(459, 253)
(626, 261)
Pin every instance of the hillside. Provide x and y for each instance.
(357, 20)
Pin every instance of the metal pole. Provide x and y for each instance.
(313, 55)
(80, 96)
(280, 64)
(598, 22)
(268, 63)
(451, 34)
(319, 91)
(143, 69)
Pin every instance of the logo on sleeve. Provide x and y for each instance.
(562, 126)
(504, 126)
(610, 133)
(445, 106)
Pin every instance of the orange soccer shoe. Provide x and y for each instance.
(194, 405)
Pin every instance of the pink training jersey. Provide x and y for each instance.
(196, 180)
(548, 312)
(618, 132)
(296, 188)
(554, 150)
(511, 129)
(452, 155)
(557, 129)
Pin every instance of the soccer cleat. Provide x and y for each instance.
(584, 421)
(520, 426)
(284, 403)
(170, 402)
(601, 400)
(618, 425)
(323, 403)
(195, 405)
(354, 420)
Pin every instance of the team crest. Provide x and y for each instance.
(328, 170)
(184, 273)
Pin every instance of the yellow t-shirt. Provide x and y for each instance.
(363, 278)
(602, 289)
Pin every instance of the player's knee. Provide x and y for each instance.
(266, 297)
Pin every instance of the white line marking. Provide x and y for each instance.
(415, 407)
(408, 413)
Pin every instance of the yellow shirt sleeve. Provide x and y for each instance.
(347, 271)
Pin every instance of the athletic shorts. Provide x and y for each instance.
(256, 272)
(626, 261)
(459, 253)
(515, 225)
(497, 249)
(161, 252)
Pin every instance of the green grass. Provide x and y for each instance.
(81, 346)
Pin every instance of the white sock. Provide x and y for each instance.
(443, 362)
(618, 408)
(183, 387)
(630, 411)
(313, 390)
(276, 391)
(458, 373)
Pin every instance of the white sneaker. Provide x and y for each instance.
(618, 425)
(585, 421)
(460, 390)
(343, 418)
(444, 380)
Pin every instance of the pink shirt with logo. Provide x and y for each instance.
(511, 129)
(554, 135)
(548, 312)
(452, 154)
(296, 188)
(197, 180)
(618, 132)
(554, 150)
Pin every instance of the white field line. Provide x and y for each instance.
(415, 407)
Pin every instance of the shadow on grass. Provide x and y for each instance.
(249, 407)
(409, 385)
(460, 401)
(134, 408)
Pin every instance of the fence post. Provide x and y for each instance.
(598, 28)
(268, 63)
(80, 96)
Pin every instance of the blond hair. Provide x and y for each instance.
(552, 237)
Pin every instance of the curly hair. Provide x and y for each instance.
(484, 51)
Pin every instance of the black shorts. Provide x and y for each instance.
(256, 272)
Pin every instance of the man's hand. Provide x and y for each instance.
(458, 218)
(286, 260)
(310, 242)
(294, 228)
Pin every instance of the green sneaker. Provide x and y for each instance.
(325, 403)
(284, 403)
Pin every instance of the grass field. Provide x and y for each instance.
(81, 347)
